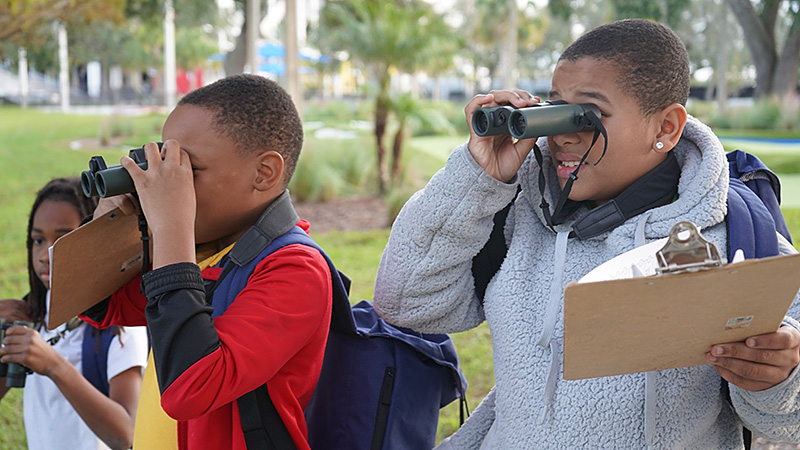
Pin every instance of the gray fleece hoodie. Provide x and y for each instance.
(425, 282)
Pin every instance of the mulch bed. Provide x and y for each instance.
(353, 213)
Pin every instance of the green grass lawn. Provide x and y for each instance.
(35, 147)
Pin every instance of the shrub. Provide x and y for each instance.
(763, 115)
(434, 119)
(334, 112)
(333, 168)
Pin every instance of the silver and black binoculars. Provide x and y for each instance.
(542, 119)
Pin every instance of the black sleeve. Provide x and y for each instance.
(179, 320)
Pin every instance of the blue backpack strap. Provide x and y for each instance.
(750, 172)
(261, 423)
(341, 315)
(275, 229)
(94, 356)
(754, 216)
(751, 227)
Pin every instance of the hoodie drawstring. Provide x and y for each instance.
(649, 408)
(638, 235)
(649, 377)
(550, 318)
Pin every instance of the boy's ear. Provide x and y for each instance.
(269, 170)
(672, 120)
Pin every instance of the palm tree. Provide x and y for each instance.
(408, 110)
(389, 36)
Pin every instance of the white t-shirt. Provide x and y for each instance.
(50, 420)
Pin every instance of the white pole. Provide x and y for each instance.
(23, 76)
(294, 85)
(253, 33)
(170, 88)
(63, 61)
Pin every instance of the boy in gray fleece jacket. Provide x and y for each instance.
(668, 167)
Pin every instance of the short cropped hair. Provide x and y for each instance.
(255, 113)
(652, 60)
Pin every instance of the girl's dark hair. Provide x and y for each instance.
(58, 190)
(652, 60)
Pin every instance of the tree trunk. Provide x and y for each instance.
(252, 33)
(721, 72)
(759, 35)
(397, 150)
(294, 83)
(508, 50)
(785, 84)
(381, 119)
(236, 58)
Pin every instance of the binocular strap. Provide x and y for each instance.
(145, 248)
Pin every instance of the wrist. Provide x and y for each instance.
(173, 247)
(59, 368)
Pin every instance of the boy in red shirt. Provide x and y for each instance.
(229, 151)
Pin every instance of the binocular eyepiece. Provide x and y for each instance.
(14, 373)
(105, 181)
(542, 119)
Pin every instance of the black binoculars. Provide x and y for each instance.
(105, 181)
(14, 373)
(542, 119)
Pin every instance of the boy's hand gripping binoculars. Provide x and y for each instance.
(542, 119)
(105, 181)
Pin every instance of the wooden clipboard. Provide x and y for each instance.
(92, 262)
(663, 322)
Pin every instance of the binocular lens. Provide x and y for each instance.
(491, 121)
(87, 183)
(517, 124)
(480, 122)
(100, 184)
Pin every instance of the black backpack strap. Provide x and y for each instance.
(258, 414)
(488, 261)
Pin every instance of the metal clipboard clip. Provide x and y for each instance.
(687, 251)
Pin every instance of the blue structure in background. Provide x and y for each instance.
(271, 58)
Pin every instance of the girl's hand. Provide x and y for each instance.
(25, 346)
(760, 362)
(500, 156)
(12, 309)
